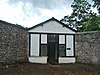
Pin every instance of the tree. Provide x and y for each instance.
(82, 16)
(97, 5)
(93, 23)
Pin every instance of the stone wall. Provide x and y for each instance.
(13, 43)
(88, 47)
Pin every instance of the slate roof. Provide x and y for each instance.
(52, 19)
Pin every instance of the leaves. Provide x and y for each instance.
(92, 23)
(82, 17)
(97, 5)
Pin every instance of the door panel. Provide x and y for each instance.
(51, 53)
(52, 49)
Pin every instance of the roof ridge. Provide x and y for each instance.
(53, 20)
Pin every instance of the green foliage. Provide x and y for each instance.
(82, 17)
(93, 23)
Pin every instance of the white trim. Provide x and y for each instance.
(38, 59)
(66, 59)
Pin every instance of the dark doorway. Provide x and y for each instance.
(52, 48)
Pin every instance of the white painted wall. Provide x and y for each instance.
(61, 39)
(34, 45)
(38, 59)
(66, 60)
(69, 44)
(52, 27)
(44, 38)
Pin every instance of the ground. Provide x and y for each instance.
(48, 69)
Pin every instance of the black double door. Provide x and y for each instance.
(52, 48)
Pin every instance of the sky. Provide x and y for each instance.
(31, 12)
(28, 13)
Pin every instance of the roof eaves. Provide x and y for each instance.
(42, 23)
(65, 25)
(53, 19)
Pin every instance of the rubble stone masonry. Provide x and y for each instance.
(13, 43)
(88, 47)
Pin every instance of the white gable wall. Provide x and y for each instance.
(52, 27)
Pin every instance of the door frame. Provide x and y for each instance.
(56, 54)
